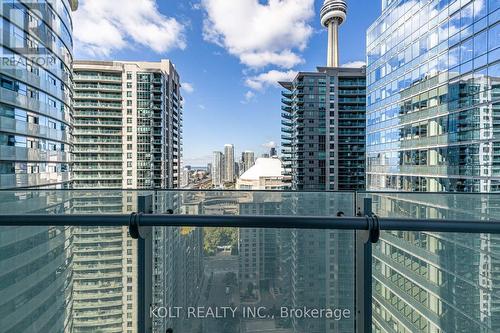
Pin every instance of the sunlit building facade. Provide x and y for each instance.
(323, 132)
(127, 135)
(433, 76)
(433, 125)
(217, 169)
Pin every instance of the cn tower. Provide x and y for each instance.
(333, 14)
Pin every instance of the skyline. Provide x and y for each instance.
(215, 60)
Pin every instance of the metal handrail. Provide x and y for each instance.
(262, 221)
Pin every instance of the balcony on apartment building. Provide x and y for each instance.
(250, 261)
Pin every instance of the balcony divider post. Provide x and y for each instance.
(144, 267)
(363, 269)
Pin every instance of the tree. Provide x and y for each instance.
(214, 237)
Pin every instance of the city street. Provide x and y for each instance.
(219, 266)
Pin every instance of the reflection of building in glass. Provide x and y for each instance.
(35, 121)
(126, 135)
(436, 282)
(433, 124)
(433, 128)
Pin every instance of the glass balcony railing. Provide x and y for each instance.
(238, 261)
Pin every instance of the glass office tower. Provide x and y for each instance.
(433, 80)
(433, 125)
(36, 50)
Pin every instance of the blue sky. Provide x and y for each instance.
(228, 53)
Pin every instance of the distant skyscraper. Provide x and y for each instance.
(218, 169)
(433, 119)
(272, 152)
(185, 177)
(127, 135)
(236, 169)
(229, 163)
(35, 128)
(248, 160)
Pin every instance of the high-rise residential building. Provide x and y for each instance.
(35, 122)
(433, 124)
(323, 140)
(128, 127)
(323, 129)
(127, 135)
(273, 152)
(185, 177)
(229, 174)
(248, 160)
(218, 169)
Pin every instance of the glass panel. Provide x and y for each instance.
(86, 279)
(434, 282)
(276, 280)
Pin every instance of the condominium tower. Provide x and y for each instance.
(127, 135)
(433, 125)
(218, 169)
(248, 160)
(229, 174)
(323, 132)
(35, 120)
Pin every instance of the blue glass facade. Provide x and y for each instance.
(433, 97)
(433, 125)
(35, 120)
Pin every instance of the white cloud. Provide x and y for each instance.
(187, 87)
(286, 59)
(249, 96)
(202, 107)
(260, 34)
(269, 145)
(104, 26)
(271, 78)
(354, 64)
